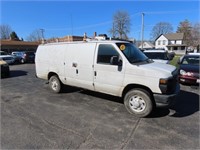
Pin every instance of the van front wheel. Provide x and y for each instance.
(138, 102)
(55, 84)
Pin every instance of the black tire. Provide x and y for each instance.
(55, 84)
(138, 102)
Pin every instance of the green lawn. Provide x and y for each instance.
(175, 60)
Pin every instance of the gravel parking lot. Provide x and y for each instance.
(34, 118)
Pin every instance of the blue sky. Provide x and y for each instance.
(62, 18)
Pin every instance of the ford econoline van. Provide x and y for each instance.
(113, 67)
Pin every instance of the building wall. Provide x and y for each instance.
(11, 45)
(176, 42)
(146, 45)
(161, 43)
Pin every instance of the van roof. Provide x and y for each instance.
(92, 41)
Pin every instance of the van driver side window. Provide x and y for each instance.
(105, 52)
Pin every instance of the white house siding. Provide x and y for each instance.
(161, 43)
(175, 42)
(179, 42)
(146, 45)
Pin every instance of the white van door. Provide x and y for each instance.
(108, 77)
(79, 60)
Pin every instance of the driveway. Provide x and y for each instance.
(34, 118)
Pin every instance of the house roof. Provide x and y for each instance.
(12, 42)
(146, 43)
(150, 44)
(172, 36)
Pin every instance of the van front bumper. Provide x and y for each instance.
(163, 100)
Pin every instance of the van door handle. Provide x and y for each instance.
(95, 73)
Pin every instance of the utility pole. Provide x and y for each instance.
(42, 32)
(142, 30)
(113, 30)
(71, 25)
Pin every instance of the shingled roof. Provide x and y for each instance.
(12, 42)
(174, 36)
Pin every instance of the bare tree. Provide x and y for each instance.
(36, 35)
(161, 28)
(121, 25)
(5, 31)
(196, 34)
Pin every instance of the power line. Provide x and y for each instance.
(142, 29)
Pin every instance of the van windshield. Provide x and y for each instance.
(133, 54)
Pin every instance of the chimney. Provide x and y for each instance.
(85, 37)
(95, 34)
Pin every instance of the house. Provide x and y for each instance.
(171, 42)
(147, 45)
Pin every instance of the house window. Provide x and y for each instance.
(159, 42)
(164, 42)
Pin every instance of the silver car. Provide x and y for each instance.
(7, 58)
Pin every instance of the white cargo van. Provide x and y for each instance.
(112, 67)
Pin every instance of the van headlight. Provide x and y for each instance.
(163, 81)
(168, 85)
(163, 85)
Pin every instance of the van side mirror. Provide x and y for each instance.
(114, 60)
(120, 63)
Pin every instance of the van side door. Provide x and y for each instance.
(79, 65)
(108, 74)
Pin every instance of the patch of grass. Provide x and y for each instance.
(175, 60)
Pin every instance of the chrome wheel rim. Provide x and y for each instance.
(54, 84)
(137, 103)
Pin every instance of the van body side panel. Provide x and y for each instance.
(50, 59)
(136, 74)
(79, 65)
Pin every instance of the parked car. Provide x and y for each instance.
(7, 58)
(189, 69)
(18, 56)
(5, 69)
(161, 56)
(24, 56)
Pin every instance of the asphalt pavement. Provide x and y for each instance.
(34, 118)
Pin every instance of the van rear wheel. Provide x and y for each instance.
(138, 102)
(55, 84)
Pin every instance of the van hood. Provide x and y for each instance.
(159, 68)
